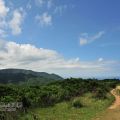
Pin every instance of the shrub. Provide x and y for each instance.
(100, 94)
(77, 104)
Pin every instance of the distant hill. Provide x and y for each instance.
(21, 76)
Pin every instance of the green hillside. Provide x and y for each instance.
(21, 76)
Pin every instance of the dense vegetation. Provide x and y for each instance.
(47, 95)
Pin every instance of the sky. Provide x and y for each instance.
(72, 38)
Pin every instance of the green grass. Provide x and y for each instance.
(65, 111)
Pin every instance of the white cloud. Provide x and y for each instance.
(85, 39)
(98, 35)
(45, 19)
(16, 21)
(3, 14)
(3, 9)
(100, 59)
(60, 9)
(47, 3)
(6, 23)
(26, 56)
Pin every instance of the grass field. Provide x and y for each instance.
(65, 111)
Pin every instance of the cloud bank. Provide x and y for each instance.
(27, 56)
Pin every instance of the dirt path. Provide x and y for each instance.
(113, 112)
(117, 100)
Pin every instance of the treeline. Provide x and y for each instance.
(52, 93)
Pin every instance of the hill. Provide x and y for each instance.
(20, 76)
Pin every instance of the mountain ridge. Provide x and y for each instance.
(12, 75)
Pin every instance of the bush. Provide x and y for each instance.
(100, 94)
(77, 104)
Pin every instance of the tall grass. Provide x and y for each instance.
(66, 111)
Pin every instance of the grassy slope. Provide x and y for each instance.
(65, 111)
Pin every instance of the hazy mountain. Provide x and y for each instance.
(26, 76)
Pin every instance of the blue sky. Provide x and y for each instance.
(78, 38)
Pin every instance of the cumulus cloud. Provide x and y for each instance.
(45, 19)
(85, 39)
(7, 23)
(3, 9)
(27, 56)
(16, 21)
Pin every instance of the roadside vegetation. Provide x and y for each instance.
(78, 99)
(86, 108)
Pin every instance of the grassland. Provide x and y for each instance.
(65, 110)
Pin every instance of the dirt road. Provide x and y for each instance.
(113, 112)
(117, 100)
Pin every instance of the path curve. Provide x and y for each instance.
(113, 112)
(117, 100)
